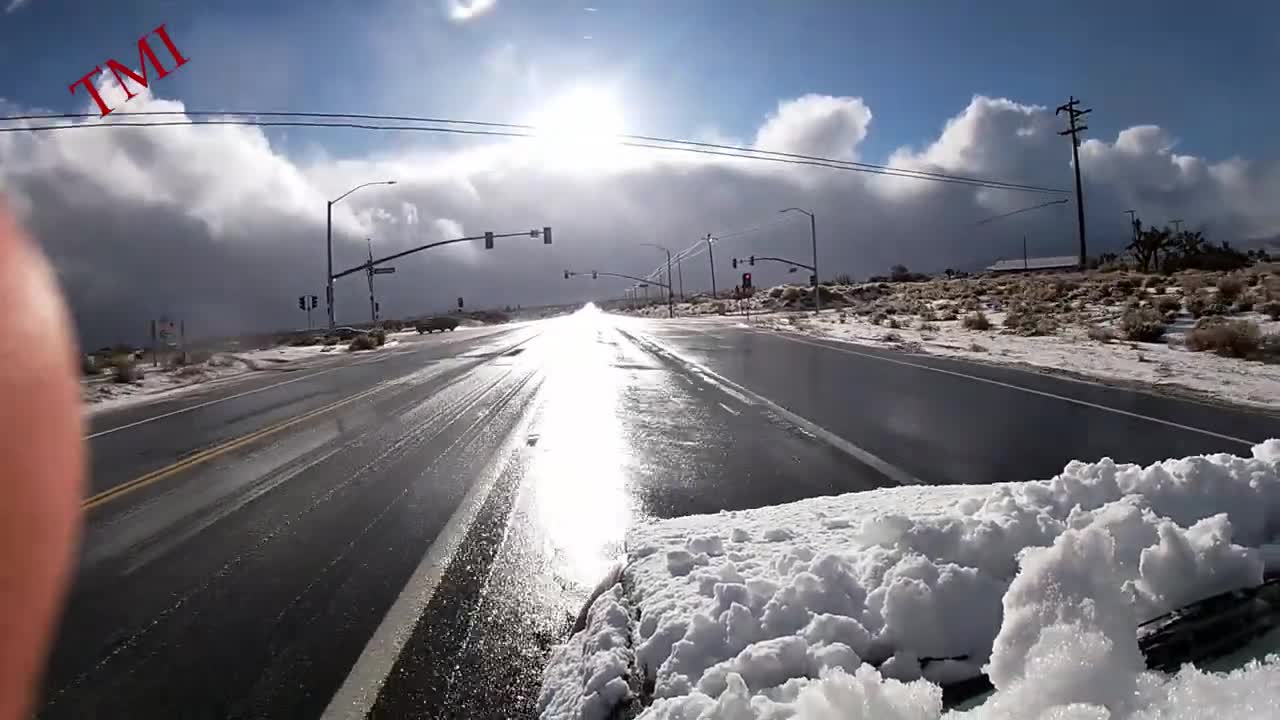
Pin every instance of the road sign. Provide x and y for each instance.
(383, 271)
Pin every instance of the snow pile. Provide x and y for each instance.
(855, 606)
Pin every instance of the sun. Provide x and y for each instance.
(581, 127)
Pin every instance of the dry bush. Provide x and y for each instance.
(1244, 304)
(928, 327)
(379, 336)
(970, 304)
(303, 341)
(893, 323)
(1230, 338)
(791, 294)
(891, 337)
(928, 315)
(878, 318)
(330, 340)
(949, 315)
(1271, 309)
(1197, 304)
(1168, 303)
(125, 369)
(1030, 321)
(1192, 282)
(975, 347)
(1101, 334)
(1230, 287)
(1143, 325)
(775, 292)
(976, 321)
(362, 342)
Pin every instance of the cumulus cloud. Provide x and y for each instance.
(219, 227)
(461, 11)
(819, 125)
(14, 5)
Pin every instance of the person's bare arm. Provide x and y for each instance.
(42, 464)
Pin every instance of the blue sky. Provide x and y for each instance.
(1204, 71)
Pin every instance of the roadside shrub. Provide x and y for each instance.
(379, 336)
(1271, 309)
(1229, 338)
(843, 279)
(125, 369)
(891, 337)
(1229, 288)
(1143, 325)
(1192, 282)
(791, 294)
(392, 325)
(330, 340)
(1101, 334)
(926, 326)
(89, 365)
(976, 321)
(303, 341)
(947, 315)
(362, 342)
(1196, 305)
(1168, 303)
(893, 323)
(718, 308)
(1029, 321)
(928, 315)
(775, 292)
(1244, 304)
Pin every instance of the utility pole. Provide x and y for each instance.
(712, 258)
(1133, 225)
(1177, 226)
(680, 274)
(1024, 252)
(1073, 130)
(373, 304)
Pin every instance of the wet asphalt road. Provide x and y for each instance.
(403, 533)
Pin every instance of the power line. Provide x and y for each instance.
(512, 130)
(1001, 216)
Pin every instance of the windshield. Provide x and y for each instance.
(478, 358)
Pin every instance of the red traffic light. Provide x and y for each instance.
(746, 280)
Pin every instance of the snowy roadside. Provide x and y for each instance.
(858, 606)
(171, 381)
(1160, 365)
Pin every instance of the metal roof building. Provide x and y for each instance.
(1058, 262)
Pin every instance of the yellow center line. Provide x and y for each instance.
(213, 452)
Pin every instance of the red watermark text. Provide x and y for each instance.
(145, 54)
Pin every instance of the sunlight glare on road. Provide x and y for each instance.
(580, 488)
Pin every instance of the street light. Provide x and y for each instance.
(671, 312)
(813, 236)
(328, 280)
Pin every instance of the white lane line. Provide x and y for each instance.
(355, 699)
(726, 407)
(1042, 393)
(215, 401)
(886, 468)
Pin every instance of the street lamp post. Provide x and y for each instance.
(671, 311)
(328, 280)
(813, 237)
(712, 258)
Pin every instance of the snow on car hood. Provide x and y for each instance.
(858, 605)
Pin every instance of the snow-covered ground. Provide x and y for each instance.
(845, 607)
(168, 381)
(1163, 364)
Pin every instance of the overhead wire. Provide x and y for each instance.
(501, 129)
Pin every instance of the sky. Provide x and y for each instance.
(224, 227)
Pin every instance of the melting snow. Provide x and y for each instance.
(855, 606)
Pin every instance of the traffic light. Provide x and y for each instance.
(746, 281)
(752, 261)
(459, 303)
(593, 275)
(735, 263)
(315, 301)
(488, 240)
(302, 303)
(566, 274)
(546, 236)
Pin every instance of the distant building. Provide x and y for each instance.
(1035, 264)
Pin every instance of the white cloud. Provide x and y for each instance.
(464, 10)
(14, 5)
(215, 225)
(819, 125)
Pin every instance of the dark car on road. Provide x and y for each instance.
(428, 325)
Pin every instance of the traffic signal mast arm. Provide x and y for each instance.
(570, 273)
(363, 267)
(776, 259)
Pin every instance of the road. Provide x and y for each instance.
(406, 532)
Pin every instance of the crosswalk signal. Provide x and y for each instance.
(546, 236)
(488, 240)
(746, 281)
